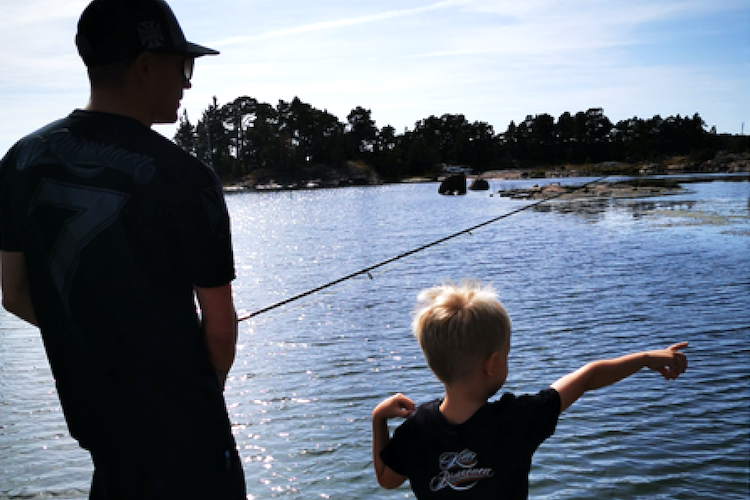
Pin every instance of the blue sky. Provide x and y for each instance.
(491, 60)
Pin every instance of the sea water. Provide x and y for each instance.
(581, 281)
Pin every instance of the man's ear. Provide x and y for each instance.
(143, 66)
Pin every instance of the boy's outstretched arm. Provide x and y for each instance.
(670, 362)
(395, 406)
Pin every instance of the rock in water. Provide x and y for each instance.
(455, 184)
(479, 185)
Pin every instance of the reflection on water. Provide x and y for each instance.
(598, 209)
(580, 280)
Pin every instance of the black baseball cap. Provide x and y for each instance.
(111, 31)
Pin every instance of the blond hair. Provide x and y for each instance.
(458, 326)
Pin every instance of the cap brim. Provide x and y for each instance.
(196, 50)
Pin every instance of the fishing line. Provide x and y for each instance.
(371, 276)
(368, 270)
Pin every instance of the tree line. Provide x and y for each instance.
(294, 140)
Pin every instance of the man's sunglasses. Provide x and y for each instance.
(187, 69)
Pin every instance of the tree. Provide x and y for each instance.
(238, 116)
(565, 131)
(523, 138)
(420, 156)
(327, 140)
(508, 144)
(185, 135)
(361, 132)
(212, 141)
(387, 154)
(597, 132)
(261, 139)
(448, 135)
(293, 139)
(542, 140)
(482, 149)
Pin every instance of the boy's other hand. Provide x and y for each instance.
(670, 362)
(395, 406)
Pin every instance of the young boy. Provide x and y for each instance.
(462, 446)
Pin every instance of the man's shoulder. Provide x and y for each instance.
(86, 142)
(39, 134)
(31, 145)
(92, 137)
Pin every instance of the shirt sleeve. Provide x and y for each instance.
(207, 233)
(538, 414)
(9, 239)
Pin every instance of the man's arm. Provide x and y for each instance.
(669, 362)
(395, 406)
(219, 327)
(15, 286)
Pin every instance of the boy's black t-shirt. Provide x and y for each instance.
(117, 224)
(487, 457)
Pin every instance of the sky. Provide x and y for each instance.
(493, 61)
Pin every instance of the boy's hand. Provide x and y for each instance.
(395, 406)
(670, 362)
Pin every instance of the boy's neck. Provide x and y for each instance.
(465, 397)
(460, 403)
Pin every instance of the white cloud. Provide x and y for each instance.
(343, 22)
(492, 60)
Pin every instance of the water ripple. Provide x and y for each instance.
(580, 282)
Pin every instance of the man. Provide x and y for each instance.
(109, 233)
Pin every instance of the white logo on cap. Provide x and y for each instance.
(151, 34)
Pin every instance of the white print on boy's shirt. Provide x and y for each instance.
(457, 471)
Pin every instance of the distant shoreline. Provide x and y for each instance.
(729, 165)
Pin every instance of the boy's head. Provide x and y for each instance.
(458, 327)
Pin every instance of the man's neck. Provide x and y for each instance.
(118, 103)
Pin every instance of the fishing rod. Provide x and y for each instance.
(367, 270)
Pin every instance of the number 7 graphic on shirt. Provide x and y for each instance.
(96, 209)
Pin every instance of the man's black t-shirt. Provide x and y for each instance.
(117, 224)
(488, 456)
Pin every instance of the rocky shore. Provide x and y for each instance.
(637, 188)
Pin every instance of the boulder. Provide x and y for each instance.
(479, 185)
(453, 185)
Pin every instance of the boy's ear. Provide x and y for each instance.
(491, 363)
